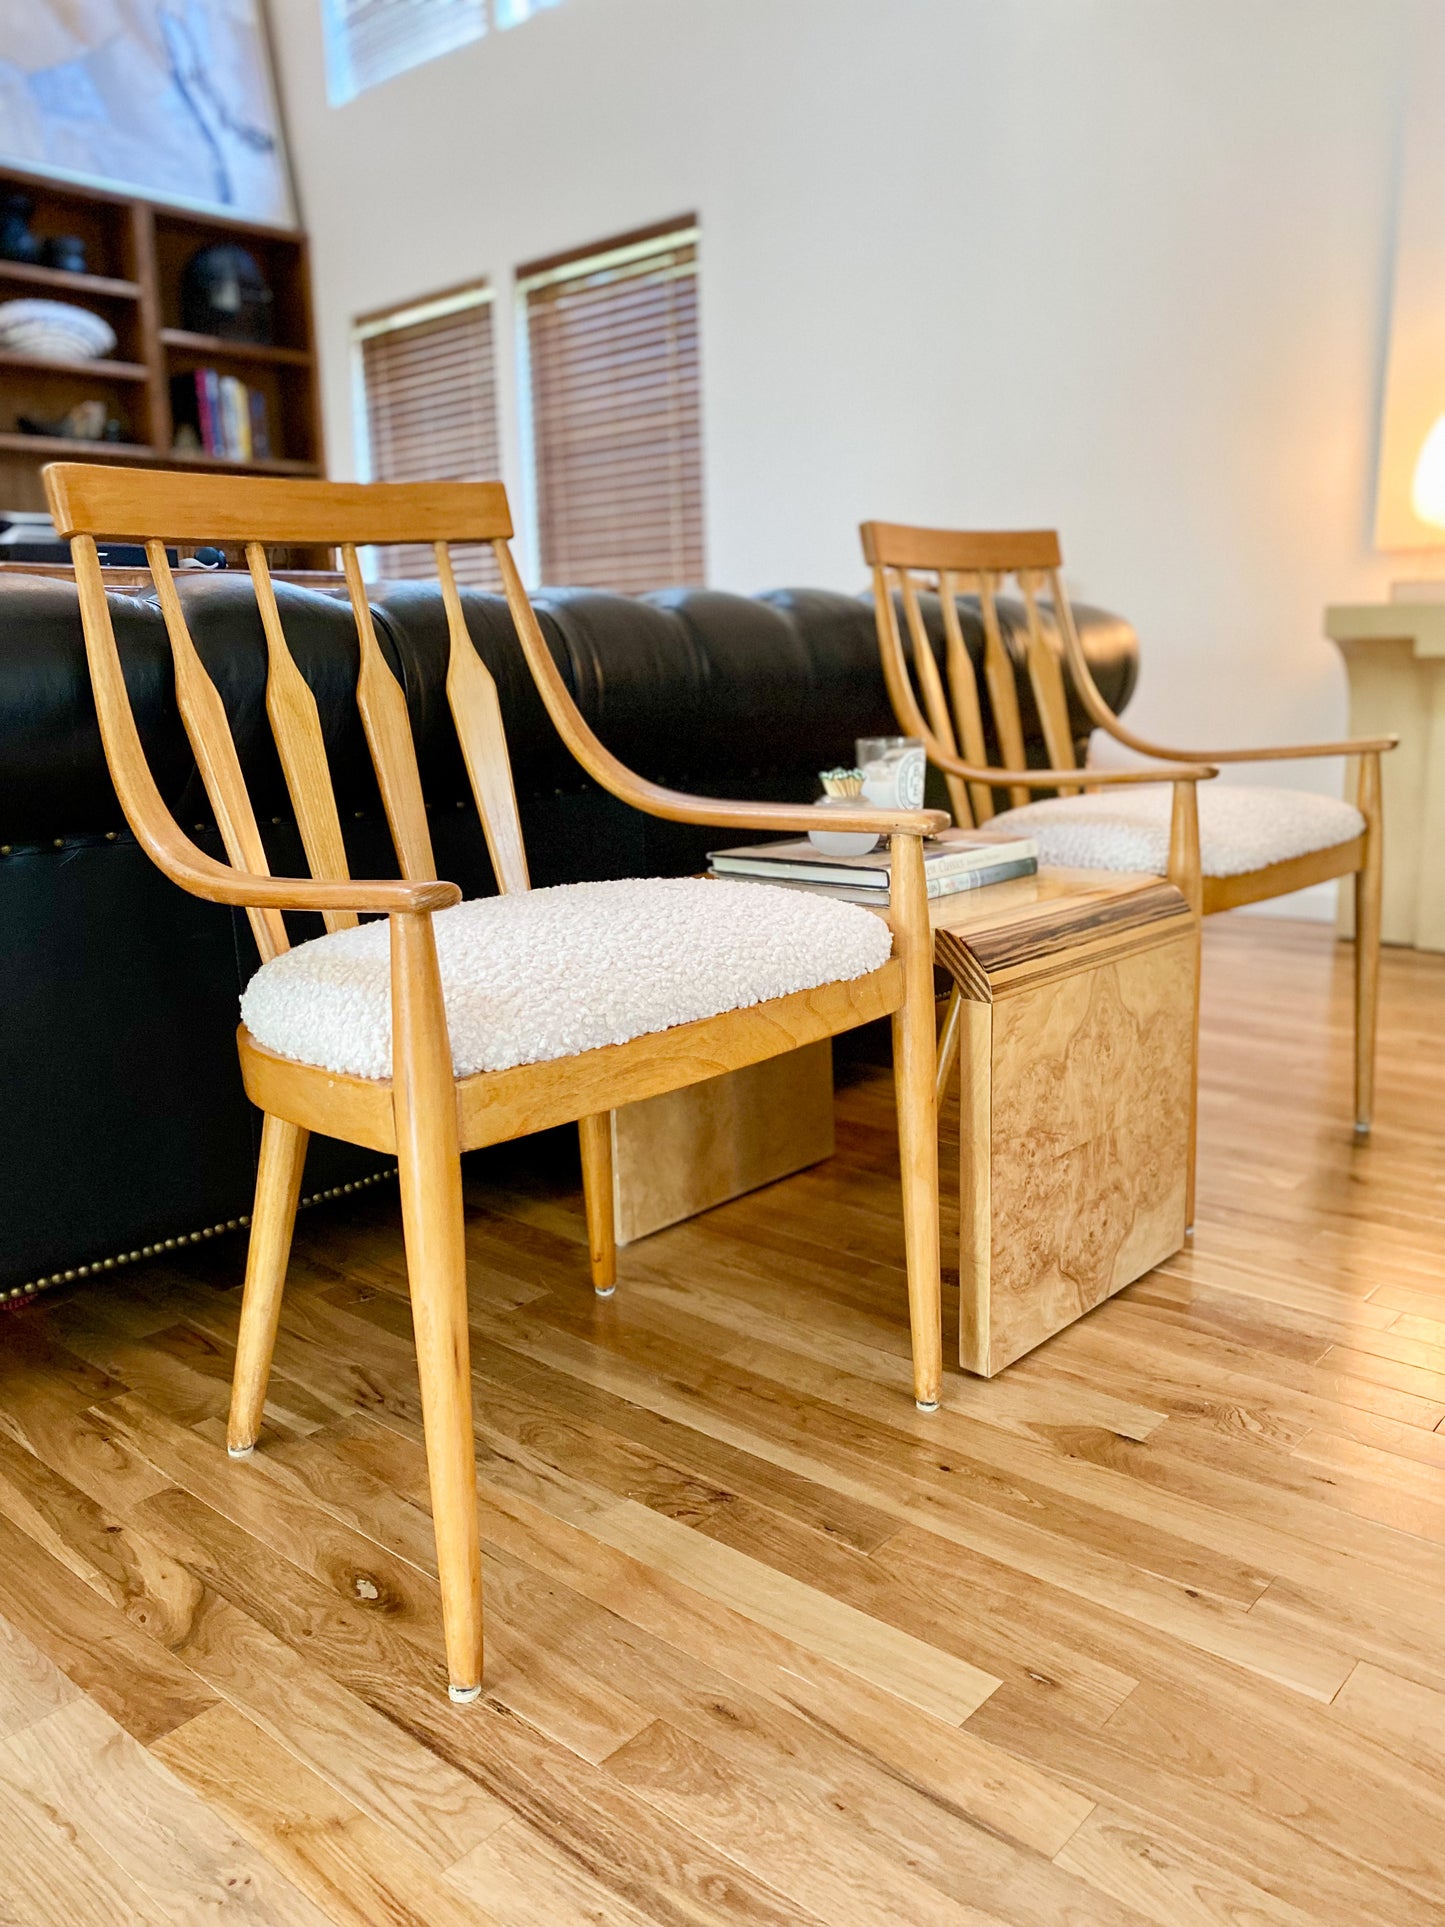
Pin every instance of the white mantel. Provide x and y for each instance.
(1395, 655)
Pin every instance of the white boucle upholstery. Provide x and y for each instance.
(547, 973)
(1240, 827)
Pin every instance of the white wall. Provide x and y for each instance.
(1116, 265)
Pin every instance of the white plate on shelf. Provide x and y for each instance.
(55, 331)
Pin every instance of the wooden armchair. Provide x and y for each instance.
(454, 1025)
(1225, 847)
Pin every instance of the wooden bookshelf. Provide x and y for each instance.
(137, 251)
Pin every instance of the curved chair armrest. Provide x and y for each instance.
(1084, 779)
(723, 813)
(1353, 746)
(1281, 753)
(674, 805)
(1103, 717)
(382, 896)
(1183, 868)
(203, 876)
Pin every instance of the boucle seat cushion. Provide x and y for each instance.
(547, 973)
(1241, 827)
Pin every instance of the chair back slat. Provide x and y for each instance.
(1003, 695)
(209, 732)
(477, 716)
(935, 702)
(384, 717)
(963, 689)
(1046, 678)
(296, 726)
(901, 692)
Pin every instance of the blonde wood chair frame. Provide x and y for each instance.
(964, 562)
(423, 1113)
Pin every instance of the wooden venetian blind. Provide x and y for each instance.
(616, 421)
(431, 410)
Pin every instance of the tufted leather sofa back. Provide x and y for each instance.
(689, 683)
(123, 1122)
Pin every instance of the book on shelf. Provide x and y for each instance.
(260, 426)
(235, 419)
(952, 853)
(226, 417)
(1003, 871)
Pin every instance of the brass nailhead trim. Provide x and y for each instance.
(13, 1292)
(59, 842)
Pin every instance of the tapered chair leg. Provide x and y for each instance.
(431, 1205)
(278, 1187)
(1366, 991)
(914, 1073)
(1185, 874)
(1369, 881)
(1367, 997)
(430, 1171)
(595, 1134)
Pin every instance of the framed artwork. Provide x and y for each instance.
(172, 100)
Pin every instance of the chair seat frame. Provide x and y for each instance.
(495, 1106)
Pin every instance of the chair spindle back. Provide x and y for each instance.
(89, 501)
(958, 563)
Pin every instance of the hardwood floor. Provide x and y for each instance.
(1147, 1630)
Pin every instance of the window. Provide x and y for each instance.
(431, 409)
(611, 342)
(368, 41)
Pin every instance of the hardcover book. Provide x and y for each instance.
(952, 853)
(937, 886)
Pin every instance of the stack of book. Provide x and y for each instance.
(227, 418)
(956, 860)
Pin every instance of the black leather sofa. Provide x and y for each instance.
(123, 1125)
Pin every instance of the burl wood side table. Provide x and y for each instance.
(1077, 1085)
(1079, 1026)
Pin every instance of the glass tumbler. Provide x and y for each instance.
(894, 770)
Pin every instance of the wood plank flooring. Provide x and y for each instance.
(1150, 1630)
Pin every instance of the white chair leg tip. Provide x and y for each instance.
(926, 1404)
(604, 1291)
(239, 1451)
(1362, 1127)
(464, 1695)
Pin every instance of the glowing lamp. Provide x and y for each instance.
(1427, 491)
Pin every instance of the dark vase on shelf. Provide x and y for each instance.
(224, 293)
(17, 243)
(64, 251)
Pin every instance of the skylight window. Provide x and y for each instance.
(369, 41)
